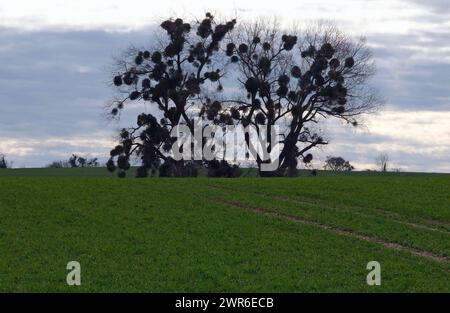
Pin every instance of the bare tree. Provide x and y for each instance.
(3, 162)
(295, 81)
(174, 78)
(382, 162)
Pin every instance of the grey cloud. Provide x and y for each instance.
(413, 70)
(54, 85)
(439, 6)
(406, 154)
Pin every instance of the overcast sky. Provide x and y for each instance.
(55, 55)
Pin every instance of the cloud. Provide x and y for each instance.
(54, 87)
(414, 141)
(118, 15)
(412, 69)
(55, 69)
(439, 6)
(37, 152)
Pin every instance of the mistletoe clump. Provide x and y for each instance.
(286, 80)
(294, 85)
(171, 79)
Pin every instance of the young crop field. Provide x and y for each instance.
(304, 234)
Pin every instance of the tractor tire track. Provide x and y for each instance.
(393, 216)
(337, 230)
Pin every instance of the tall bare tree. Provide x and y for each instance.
(296, 80)
(382, 162)
(293, 80)
(174, 78)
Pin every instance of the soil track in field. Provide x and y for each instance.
(393, 216)
(334, 229)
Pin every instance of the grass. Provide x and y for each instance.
(175, 235)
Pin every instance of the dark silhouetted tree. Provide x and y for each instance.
(73, 161)
(222, 168)
(58, 164)
(295, 81)
(337, 164)
(77, 161)
(3, 162)
(174, 79)
(93, 162)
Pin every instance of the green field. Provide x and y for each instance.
(304, 234)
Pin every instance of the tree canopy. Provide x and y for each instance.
(171, 77)
(294, 81)
(290, 80)
(337, 164)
